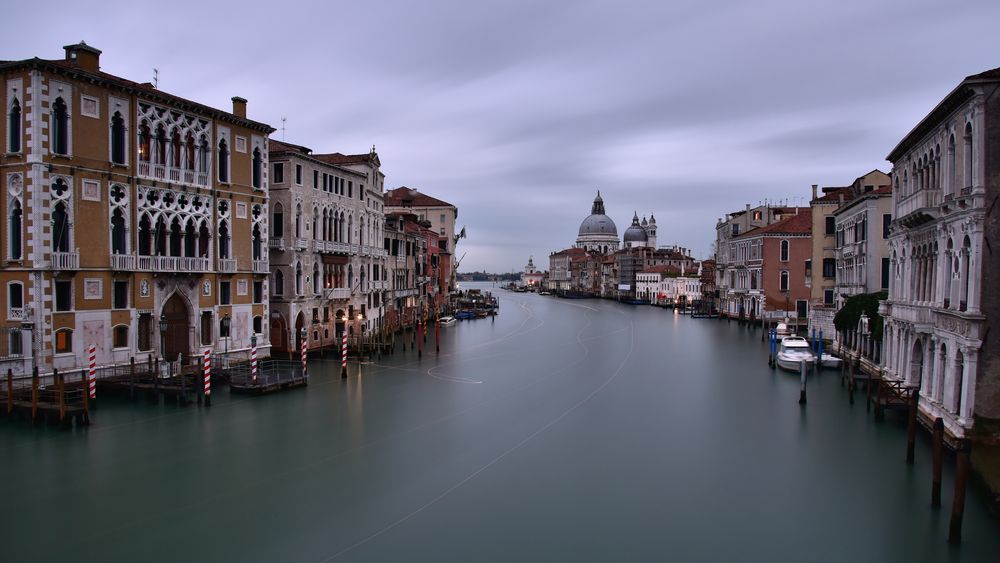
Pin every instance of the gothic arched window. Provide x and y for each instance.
(223, 239)
(14, 127)
(223, 161)
(257, 164)
(60, 228)
(117, 138)
(60, 127)
(118, 239)
(15, 229)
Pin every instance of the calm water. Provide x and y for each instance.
(564, 430)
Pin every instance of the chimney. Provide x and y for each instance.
(748, 207)
(85, 56)
(815, 187)
(239, 107)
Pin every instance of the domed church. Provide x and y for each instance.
(598, 232)
(641, 234)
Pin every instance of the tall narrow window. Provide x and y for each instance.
(118, 232)
(206, 328)
(298, 279)
(64, 295)
(15, 230)
(257, 245)
(257, 163)
(223, 240)
(175, 237)
(298, 221)
(315, 280)
(160, 149)
(203, 155)
(145, 236)
(117, 138)
(14, 127)
(119, 294)
(190, 239)
(968, 155)
(145, 332)
(278, 221)
(60, 127)
(204, 238)
(144, 142)
(223, 161)
(784, 251)
(784, 281)
(279, 283)
(176, 152)
(60, 228)
(952, 170)
(15, 295)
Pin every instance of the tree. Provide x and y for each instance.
(849, 315)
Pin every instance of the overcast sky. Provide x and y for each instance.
(518, 111)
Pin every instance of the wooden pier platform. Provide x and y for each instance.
(65, 401)
(272, 375)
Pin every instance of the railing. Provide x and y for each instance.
(276, 243)
(301, 243)
(401, 260)
(123, 262)
(922, 199)
(17, 313)
(338, 247)
(227, 264)
(66, 260)
(173, 174)
(260, 267)
(173, 264)
(967, 190)
(337, 293)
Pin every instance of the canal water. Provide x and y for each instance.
(565, 430)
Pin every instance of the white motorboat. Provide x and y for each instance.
(792, 352)
(447, 320)
(782, 330)
(830, 361)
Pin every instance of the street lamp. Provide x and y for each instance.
(863, 329)
(225, 329)
(163, 336)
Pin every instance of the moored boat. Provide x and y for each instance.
(447, 320)
(793, 351)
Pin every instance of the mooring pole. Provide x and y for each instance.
(10, 390)
(437, 332)
(958, 501)
(911, 427)
(59, 391)
(343, 356)
(207, 381)
(34, 393)
(802, 378)
(937, 451)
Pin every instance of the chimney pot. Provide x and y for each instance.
(85, 56)
(815, 192)
(239, 107)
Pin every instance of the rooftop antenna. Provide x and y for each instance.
(283, 120)
(156, 78)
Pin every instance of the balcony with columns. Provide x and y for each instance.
(172, 174)
(227, 265)
(276, 243)
(261, 267)
(66, 260)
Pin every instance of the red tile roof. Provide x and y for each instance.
(338, 158)
(275, 146)
(797, 224)
(406, 197)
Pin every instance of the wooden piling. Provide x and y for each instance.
(937, 451)
(34, 393)
(131, 378)
(802, 378)
(958, 501)
(60, 393)
(10, 391)
(911, 426)
(86, 392)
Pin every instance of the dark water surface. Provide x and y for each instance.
(563, 431)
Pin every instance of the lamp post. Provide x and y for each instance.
(163, 336)
(863, 326)
(225, 328)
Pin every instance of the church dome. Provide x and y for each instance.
(635, 232)
(597, 223)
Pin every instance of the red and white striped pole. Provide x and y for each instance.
(92, 376)
(208, 376)
(343, 355)
(305, 358)
(253, 360)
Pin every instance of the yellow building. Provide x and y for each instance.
(136, 219)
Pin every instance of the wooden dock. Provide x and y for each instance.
(272, 375)
(64, 401)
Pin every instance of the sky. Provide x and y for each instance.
(517, 112)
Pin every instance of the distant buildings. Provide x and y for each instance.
(531, 277)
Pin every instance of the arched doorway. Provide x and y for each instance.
(279, 336)
(916, 363)
(176, 338)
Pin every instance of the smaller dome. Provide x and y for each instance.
(635, 232)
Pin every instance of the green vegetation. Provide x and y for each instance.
(849, 315)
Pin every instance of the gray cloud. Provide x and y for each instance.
(518, 111)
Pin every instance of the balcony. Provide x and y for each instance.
(337, 293)
(918, 208)
(400, 260)
(227, 265)
(18, 314)
(171, 174)
(124, 262)
(301, 244)
(173, 264)
(276, 243)
(261, 267)
(65, 260)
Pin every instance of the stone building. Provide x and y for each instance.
(728, 271)
(862, 247)
(440, 216)
(328, 261)
(822, 270)
(407, 253)
(945, 176)
(598, 232)
(137, 220)
(531, 277)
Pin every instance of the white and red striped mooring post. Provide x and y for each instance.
(92, 376)
(253, 360)
(305, 358)
(343, 355)
(208, 376)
